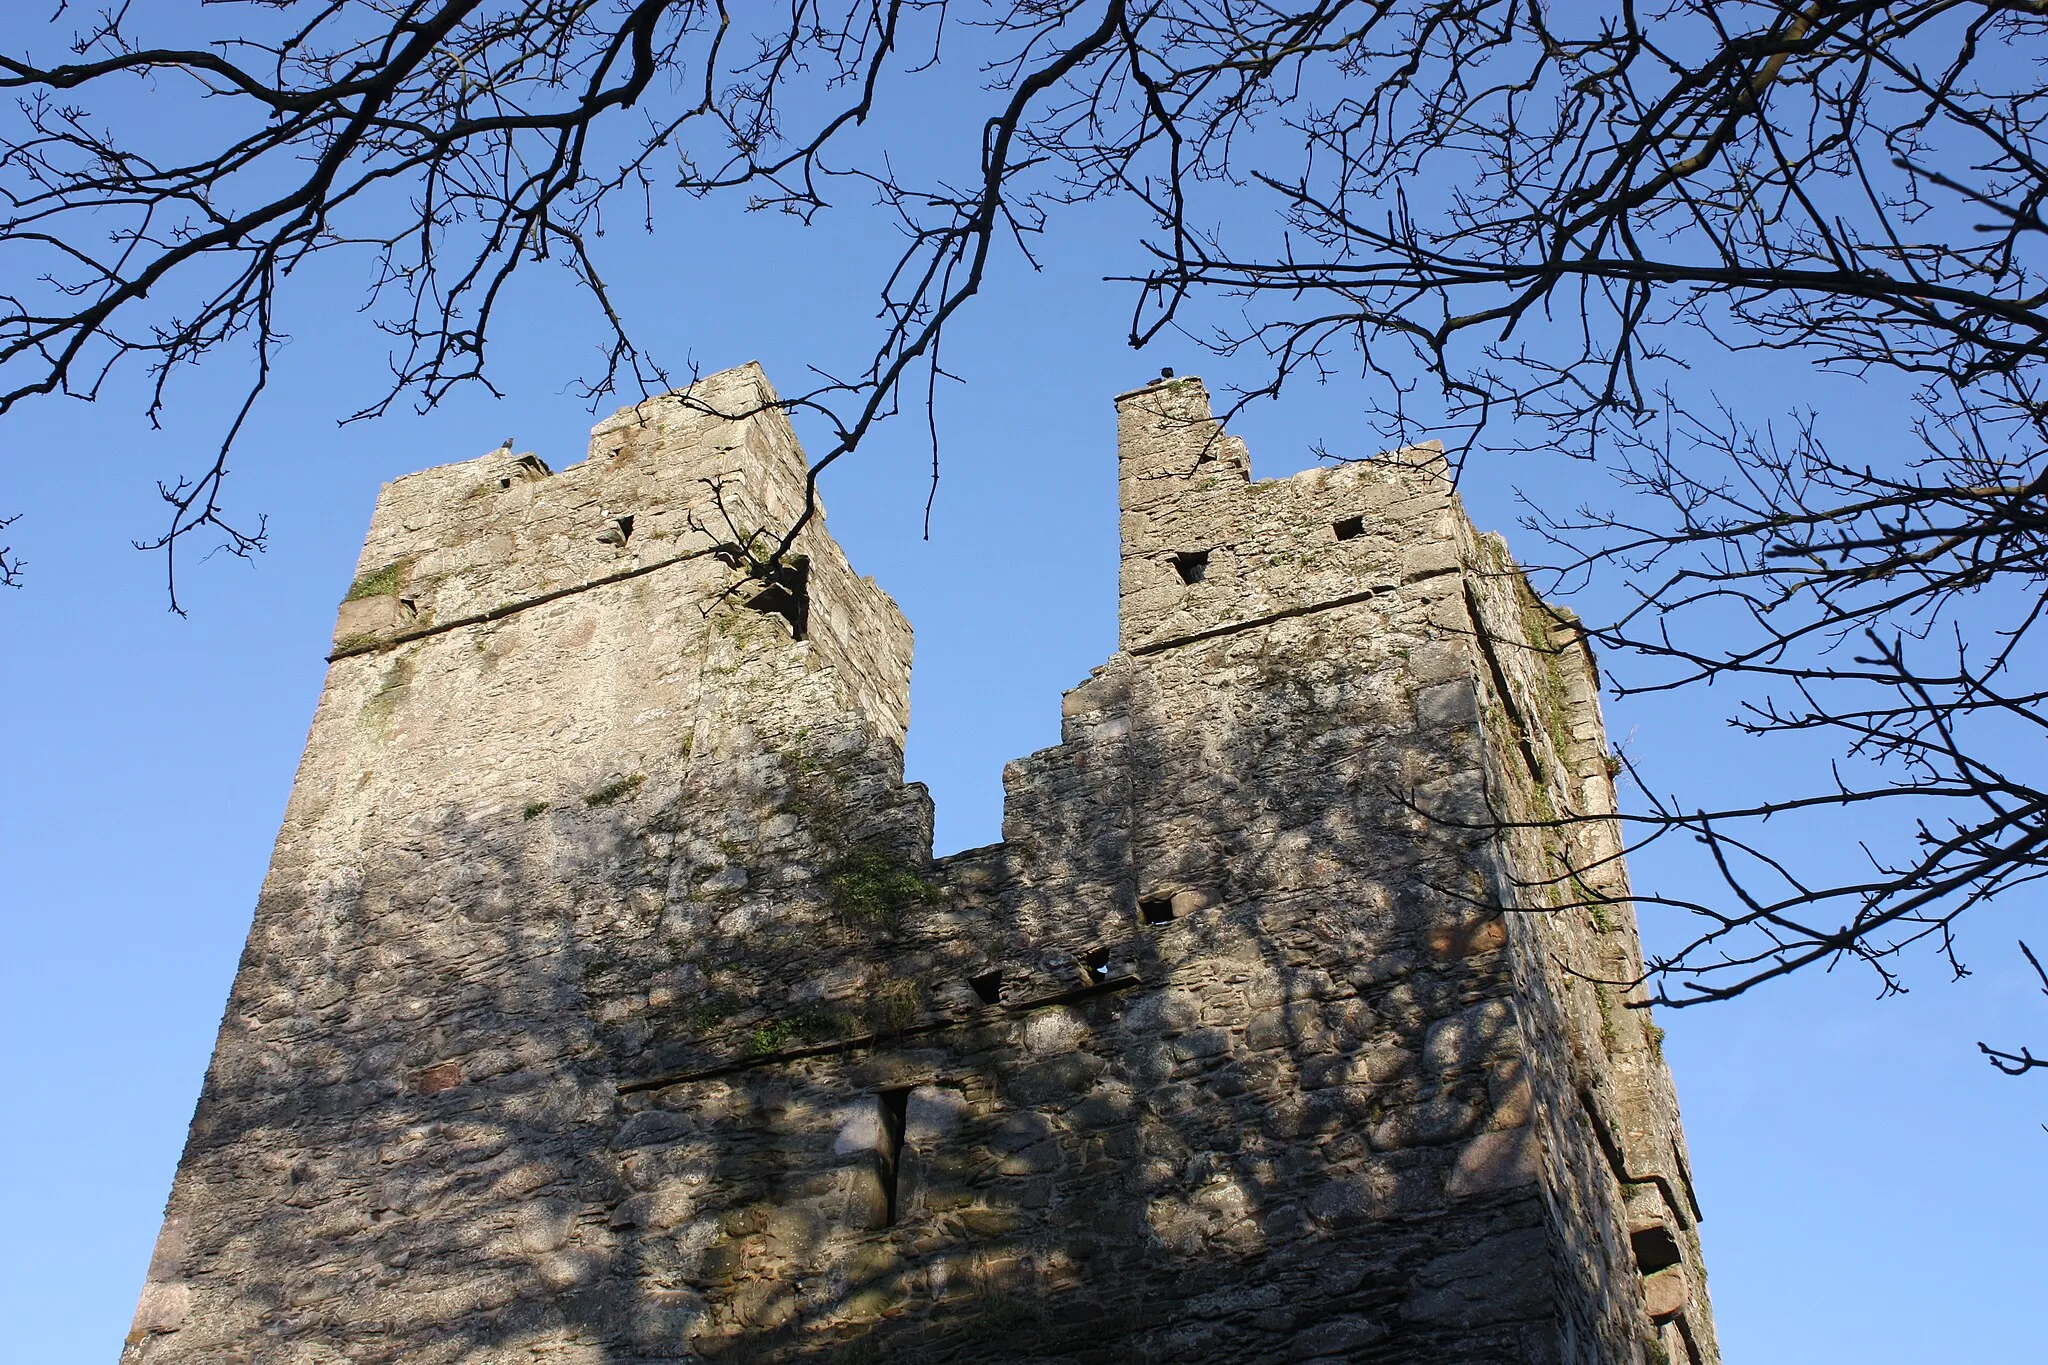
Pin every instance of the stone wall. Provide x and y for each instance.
(604, 1002)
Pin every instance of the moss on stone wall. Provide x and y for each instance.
(382, 582)
(873, 886)
(615, 791)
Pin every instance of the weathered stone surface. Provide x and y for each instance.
(1496, 1161)
(1666, 1293)
(604, 1001)
(1498, 1280)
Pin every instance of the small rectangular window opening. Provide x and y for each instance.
(1155, 909)
(1655, 1248)
(895, 1110)
(1349, 528)
(1192, 565)
(625, 525)
(1095, 966)
(787, 595)
(988, 987)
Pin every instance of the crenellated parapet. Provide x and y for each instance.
(713, 472)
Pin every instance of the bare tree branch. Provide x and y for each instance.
(1515, 224)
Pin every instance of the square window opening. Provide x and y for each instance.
(1095, 966)
(1350, 528)
(1155, 909)
(1192, 565)
(988, 987)
(1655, 1248)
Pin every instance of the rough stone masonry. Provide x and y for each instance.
(604, 1002)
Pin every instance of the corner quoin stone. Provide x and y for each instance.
(604, 1001)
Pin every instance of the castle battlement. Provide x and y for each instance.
(604, 1001)
(695, 485)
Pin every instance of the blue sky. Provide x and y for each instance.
(1870, 1185)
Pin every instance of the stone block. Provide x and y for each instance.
(1503, 1278)
(380, 617)
(1495, 1162)
(1427, 559)
(1055, 1079)
(1338, 1338)
(1166, 1012)
(1433, 1121)
(1448, 706)
(164, 1307)
(1352, 1197)
(543, 1225)
(1268, 1029)
(1666, 1293)
(1203, 1042)
(1440, 661)
(1033, 1160)
(1513, 1102)
(1468, 939)
(932, 1115)
(1473, 1036)
(561, 1270)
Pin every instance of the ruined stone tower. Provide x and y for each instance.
(604, 1003)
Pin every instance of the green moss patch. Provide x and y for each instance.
(874, 886)
(384, 582)
(895, 1006)
(777, 1034)
(615, 791)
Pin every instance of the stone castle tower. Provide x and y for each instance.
(605, 1004)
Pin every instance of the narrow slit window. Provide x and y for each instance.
(1192, 565)
(988, 987)
(895, 1111)
(1155, 909)
(1350, 528)
(1095, 966)
(1655, 1248)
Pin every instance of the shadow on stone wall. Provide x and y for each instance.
(1300, 1132)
